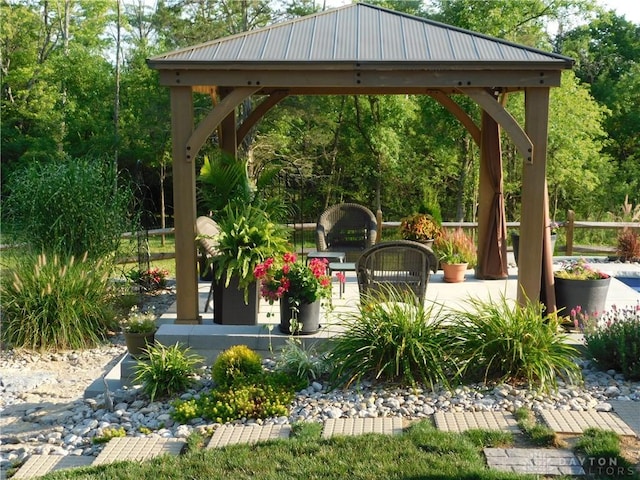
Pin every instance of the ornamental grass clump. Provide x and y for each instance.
(613, 339)
(512, 343)
(391, 338)
(167, 371)
(55, 303)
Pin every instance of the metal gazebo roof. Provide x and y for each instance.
(365, 49)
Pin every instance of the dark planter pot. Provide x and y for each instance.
(308, 317)
(515, 241)
(138, 342)
(590, 295)
(229, 307)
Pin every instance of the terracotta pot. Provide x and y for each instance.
(308, 317)
(454, 272)
(138, 342)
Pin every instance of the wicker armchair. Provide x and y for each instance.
(400, 264)
(348, 228)
(207, 229)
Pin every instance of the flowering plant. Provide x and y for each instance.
(579, 270)
(280, 276)
(141, 322)
(420, 226)
(150, 279)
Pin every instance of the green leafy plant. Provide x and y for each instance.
(69, 207)
(256, 397)
(167, 371)
(305, 363)
(509, 342)
(613, 339)
(579, 270)
(234, 363)
(55, 303)
(391, 338)
(455, 246)
(247, 238)
(419, 227)
(109, 433)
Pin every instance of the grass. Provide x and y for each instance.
(421, 452)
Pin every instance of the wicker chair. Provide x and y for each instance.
(348, 228)
(207, 230)
(401, 265)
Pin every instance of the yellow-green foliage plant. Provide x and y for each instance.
(235, 363)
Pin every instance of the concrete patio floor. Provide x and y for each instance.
(209, 339)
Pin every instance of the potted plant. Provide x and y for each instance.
(456, 252)
(578, 284)
(247, 238)
(139, 331)
(420, 227)
(150, 279)
(299, 288)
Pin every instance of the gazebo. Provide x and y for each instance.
(365, 49)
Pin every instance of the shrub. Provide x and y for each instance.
(512, 343)
(234, 363)
(390, 338)
(68, 207)
(613, 341)
(258, 397)
(53, 303)
(303, 363)
(167, 371)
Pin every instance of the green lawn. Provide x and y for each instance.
(421, 453)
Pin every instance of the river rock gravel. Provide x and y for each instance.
(43, 410)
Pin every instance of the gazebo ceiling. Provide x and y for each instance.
(361, 47)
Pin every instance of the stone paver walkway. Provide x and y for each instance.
(629, 412)
(541, 461)
(39, 465)
(537, 461)
(463, 421)
(568, 421)
(360, 426)
(235, 434)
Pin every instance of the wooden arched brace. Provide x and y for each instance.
(215, 116)
(490, 105)
(447, 102)
(259, 112)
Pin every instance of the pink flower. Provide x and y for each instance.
(286, 268)
(289, 257)
(341, 277)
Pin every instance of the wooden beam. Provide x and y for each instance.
(462, 116)
(184, 201)
(503, 117)
(226, 106)
(259, 112)
(532, 223)
(359, 77)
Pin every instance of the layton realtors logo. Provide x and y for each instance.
(605, 466)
